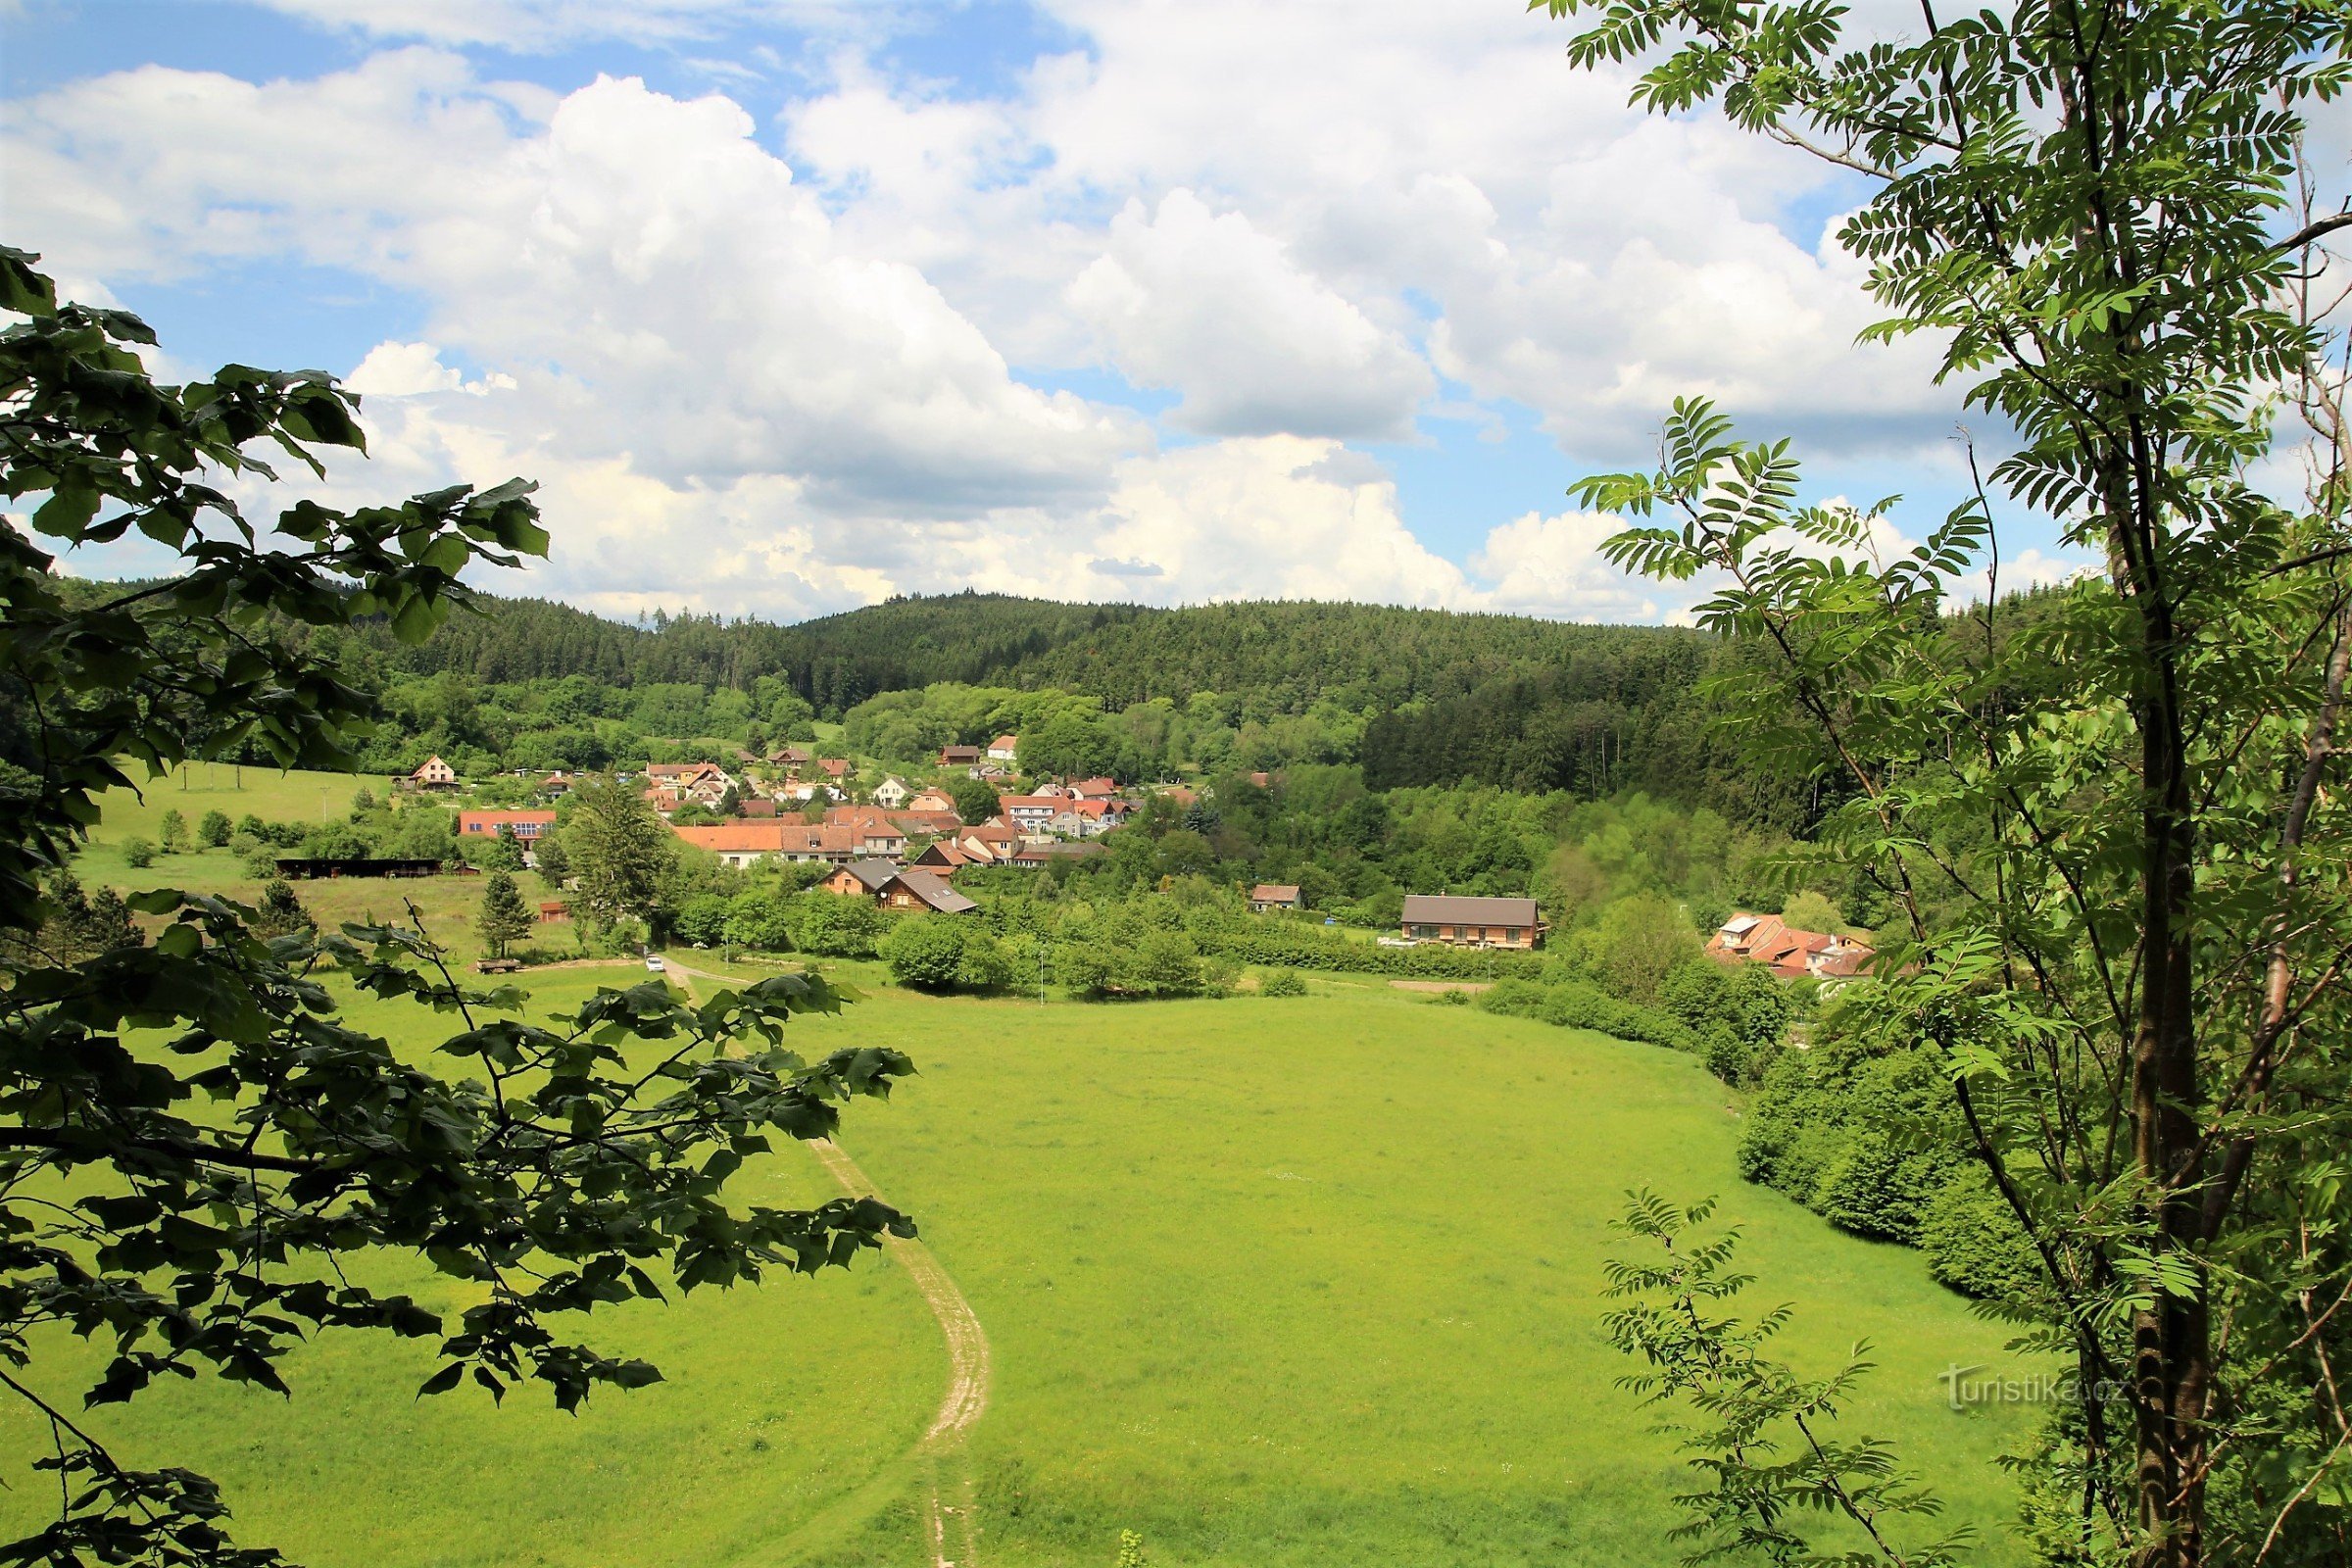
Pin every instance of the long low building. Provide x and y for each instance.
(524, 825)
(1472, 922)
(742, 844)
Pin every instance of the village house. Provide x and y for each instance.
(921, 891)
(863, 879)
(1275, 896)
(891, 793)
(527, 826)
(792, 759)
(836, 769)
(1079, 819)
(1094, 789)
(915, 892)
(1005, 749)
(1031, 815)
(746, 844)
(436, 774)
(990, 841)
(557, 783)
(930, 798)
(1787, 950)
(873, 832)
(945, 860)
(958, 756)
(1472, 922)
(704, 783)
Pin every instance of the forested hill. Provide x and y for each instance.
(1288, 654)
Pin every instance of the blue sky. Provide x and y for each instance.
(790, 305)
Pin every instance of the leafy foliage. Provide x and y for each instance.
(2115, 838)
(208, 1139)
(1764, 1438)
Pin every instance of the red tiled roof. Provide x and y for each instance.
(770, 838)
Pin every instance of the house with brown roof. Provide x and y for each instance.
(876, 832)
(704, 783)
(919, 893)
(434, 774)
(944, 859)
(863, 879)
(1005, 749)
(989, 841)
(930, 798)
(1789, 952)
(912, 892)
(1094, 789)
(1844, 959)
(1275, 896)
(1473, 922)
(958, 756)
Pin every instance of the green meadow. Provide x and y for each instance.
(1271, 1281)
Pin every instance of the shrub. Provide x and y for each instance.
(1452, 998)
(1288, 983)
(1974, 1242)
(838, 927)
(702, 920)
(761, 921)
(138, 853)
(175, 832)
(925, 952)
(213, 830)
(280, 912)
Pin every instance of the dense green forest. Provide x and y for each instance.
(1415, 697)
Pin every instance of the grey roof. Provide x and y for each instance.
(1431, 909)
(873, 873)
(935, 893)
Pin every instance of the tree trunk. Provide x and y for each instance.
(2171, 1349)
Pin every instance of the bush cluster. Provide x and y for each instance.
(1838, 1127)
(1575, 1004)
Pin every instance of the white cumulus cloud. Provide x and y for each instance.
(1202, 303)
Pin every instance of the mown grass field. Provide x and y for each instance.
(1273, 1281)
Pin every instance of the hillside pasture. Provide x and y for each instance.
(1273, 1281)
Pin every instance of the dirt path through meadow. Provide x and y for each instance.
(950, 1524)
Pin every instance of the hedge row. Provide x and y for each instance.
(1304, 950)
(1570, 1005)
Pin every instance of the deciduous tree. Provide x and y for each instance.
(2115, 838)
(550, 1173)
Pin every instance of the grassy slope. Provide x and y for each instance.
(1313, 1281)
(447, 904)
(779, 1402)
(201, 787)
(1278, 1281)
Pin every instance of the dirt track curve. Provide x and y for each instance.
(950, 1524)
